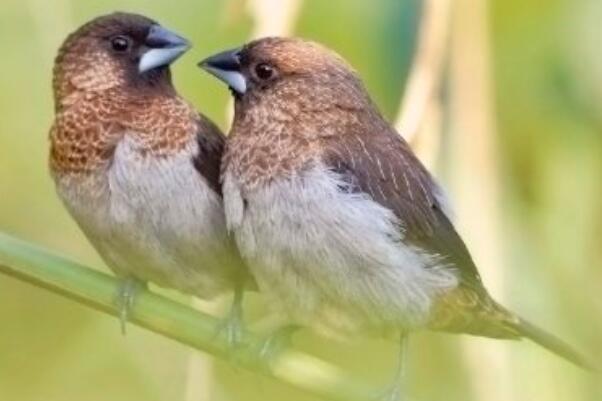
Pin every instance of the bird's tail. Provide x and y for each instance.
(551, 343)
(475, 312)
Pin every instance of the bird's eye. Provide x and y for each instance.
(264, 71)
(120, 43)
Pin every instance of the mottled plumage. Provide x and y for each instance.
(135, 164)
(343, 228)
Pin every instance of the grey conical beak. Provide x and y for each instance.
(226, 67)
(164, 47)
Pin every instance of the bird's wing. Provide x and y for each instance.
(211, 142)
(383, 166)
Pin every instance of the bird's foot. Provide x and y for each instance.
(126, 298)
(231, 329)
(278, 341)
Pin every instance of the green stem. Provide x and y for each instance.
(41, 268)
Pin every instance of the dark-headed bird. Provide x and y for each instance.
(137, 166)
(343, 228)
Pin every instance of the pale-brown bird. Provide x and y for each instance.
(343, 228)
(137, 166)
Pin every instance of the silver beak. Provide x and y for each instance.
(226, 67)
(164, 47)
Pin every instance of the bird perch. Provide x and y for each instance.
(179, 322)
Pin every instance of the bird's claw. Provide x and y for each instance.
(126, 298)
(231, 329)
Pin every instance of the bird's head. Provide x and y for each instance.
(287, 75)
(118, 49)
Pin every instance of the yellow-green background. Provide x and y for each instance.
(547, 78)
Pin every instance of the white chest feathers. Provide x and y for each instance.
(332, 259)
(156, 219)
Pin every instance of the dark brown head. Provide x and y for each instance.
(288, 75)
(114, 50)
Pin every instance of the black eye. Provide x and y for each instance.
(264, 71)
(120, 43)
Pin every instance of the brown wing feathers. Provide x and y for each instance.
(211, 147)
(384, 168)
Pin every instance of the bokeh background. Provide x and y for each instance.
(513, 127)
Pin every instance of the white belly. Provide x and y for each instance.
(331, 259)
(154, 219)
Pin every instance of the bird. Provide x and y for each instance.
(137, 166)
(342, 227)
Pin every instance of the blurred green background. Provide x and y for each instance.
(546, 70)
